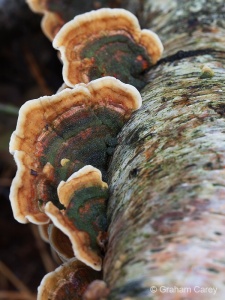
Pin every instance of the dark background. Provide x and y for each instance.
(29, 68)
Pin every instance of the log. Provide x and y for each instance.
(167, 176)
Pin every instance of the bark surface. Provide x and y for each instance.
(167, 176)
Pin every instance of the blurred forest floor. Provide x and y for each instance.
(29, 68)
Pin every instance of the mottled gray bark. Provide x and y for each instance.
(167, 177)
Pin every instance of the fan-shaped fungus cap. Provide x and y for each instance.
(106, 42)
(68, 281)
(57, 135)
(84, 196)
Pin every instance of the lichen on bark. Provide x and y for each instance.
(167, 177)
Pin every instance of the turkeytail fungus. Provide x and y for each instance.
(68, 281)
(63, 143)
(83, 220)
(106, 42)
(57, 135)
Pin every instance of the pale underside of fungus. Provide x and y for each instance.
(60, 243)
(106, 42)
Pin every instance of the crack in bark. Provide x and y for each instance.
(181, 54)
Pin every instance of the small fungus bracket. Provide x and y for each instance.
(106, 42)
(84, 196)
(68, 281)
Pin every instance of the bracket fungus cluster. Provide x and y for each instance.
(63, 143)
(56, 138)
(89, 52)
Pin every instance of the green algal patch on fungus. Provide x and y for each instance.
(87, 210)
(109, 53)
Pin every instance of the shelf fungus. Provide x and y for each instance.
(83, 220)
(58, 135)
(106, 42)
(68, 281)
